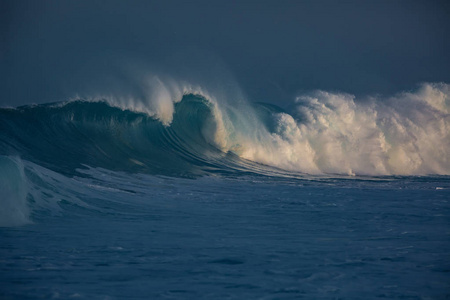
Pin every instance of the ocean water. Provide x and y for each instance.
(192, 195)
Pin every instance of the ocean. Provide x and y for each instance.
(193, 195)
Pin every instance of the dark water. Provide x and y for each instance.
(102, 203)
(120, 236)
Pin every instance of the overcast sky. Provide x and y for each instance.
(51, 50)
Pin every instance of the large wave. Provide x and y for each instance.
(180, 130)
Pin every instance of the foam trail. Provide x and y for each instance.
(13, 199)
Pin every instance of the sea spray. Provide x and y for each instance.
(405, 134)
(13, 192)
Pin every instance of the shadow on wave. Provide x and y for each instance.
(67, 136)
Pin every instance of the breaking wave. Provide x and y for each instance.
(184, 131)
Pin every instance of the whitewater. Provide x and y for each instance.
(185, 192)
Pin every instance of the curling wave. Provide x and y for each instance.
(192, 133)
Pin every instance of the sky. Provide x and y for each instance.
(53, 50)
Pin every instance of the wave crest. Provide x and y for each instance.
(180, 130)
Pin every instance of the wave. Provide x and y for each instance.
(183, 131)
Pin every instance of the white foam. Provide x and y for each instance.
(406, 134)
(335, 133)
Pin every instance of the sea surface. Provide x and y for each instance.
(201, 198)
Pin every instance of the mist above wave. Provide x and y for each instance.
(319, 133)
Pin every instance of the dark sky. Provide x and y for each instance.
(50, 50)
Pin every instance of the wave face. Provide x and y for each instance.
(193, 134)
